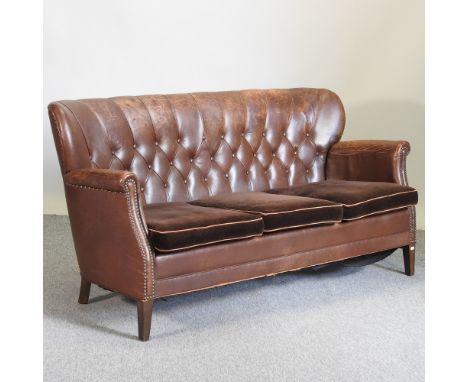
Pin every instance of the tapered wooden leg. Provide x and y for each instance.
(84, 291)
(408, 258)
(145, 310)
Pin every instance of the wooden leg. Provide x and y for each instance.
(84, 291)
(145, 310)
(408, 258)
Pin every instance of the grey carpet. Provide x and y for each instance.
(343, 324)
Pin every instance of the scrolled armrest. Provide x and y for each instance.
(372, 161)
(110, 180)
(109, 231)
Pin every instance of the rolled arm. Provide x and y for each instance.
(105, 179)
(372, 161)
(109, 231)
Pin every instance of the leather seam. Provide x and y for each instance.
(277, 257)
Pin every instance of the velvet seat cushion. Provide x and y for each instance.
(359, 199)
(177, 226)
(278, 211)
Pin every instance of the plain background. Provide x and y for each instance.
(371, 53)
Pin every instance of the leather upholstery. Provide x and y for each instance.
(109, 231)
(118, 154)
(176, 226)
(359, 199)
(191, 146)
(278, 212)
(372, 161)
(281, 251)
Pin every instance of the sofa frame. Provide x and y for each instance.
(106, 198)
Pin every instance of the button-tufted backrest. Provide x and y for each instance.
(188, 146)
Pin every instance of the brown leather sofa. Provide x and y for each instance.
(178, 193)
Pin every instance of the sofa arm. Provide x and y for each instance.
(109, 231)
(372, 161)
(105, 179)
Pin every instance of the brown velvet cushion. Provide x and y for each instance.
(278, 211)
(359, 199)
(176, 226)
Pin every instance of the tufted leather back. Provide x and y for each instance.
(189, 146)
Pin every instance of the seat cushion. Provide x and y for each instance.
(176, 226)
(359, 199)
(278, 211)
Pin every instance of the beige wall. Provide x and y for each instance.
(371, 52)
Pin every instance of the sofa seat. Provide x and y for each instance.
(178, 226)
(359, 199)
(279, 212)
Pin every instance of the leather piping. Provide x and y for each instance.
(205, 227)
(302, 225)
(379, 197)
(203, 244)
(378, 212)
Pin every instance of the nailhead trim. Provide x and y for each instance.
(93, 188)
(402, 155)
(135, 231)
(141, 244)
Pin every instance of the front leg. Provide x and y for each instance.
(145, 312)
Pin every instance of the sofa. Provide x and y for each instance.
(169, 194)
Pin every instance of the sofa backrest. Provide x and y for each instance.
(188, 146)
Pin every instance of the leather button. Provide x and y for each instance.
(307, 134)
(284, 134)
(113, 152)
(205, 179)
(156, 143)
(222, 136)
(142, 189)
(263, 135)
(233, 155)
(274, 154)
(165, 185)
(246, 173)
(134, 146)
(227, 175)
(211, 158)
(295, 152)
(149, 166)
(191, 160)
(203, 138)
(287, 171)
(242, 134)
(307, 171)
(178, 141)
(185, 181)
(171, 163)
(255, 155)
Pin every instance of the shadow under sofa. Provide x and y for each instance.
(173, 194)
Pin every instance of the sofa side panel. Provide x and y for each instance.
(110, 240)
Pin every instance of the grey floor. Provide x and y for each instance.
(345, 324)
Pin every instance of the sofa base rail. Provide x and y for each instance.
(145, 308)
